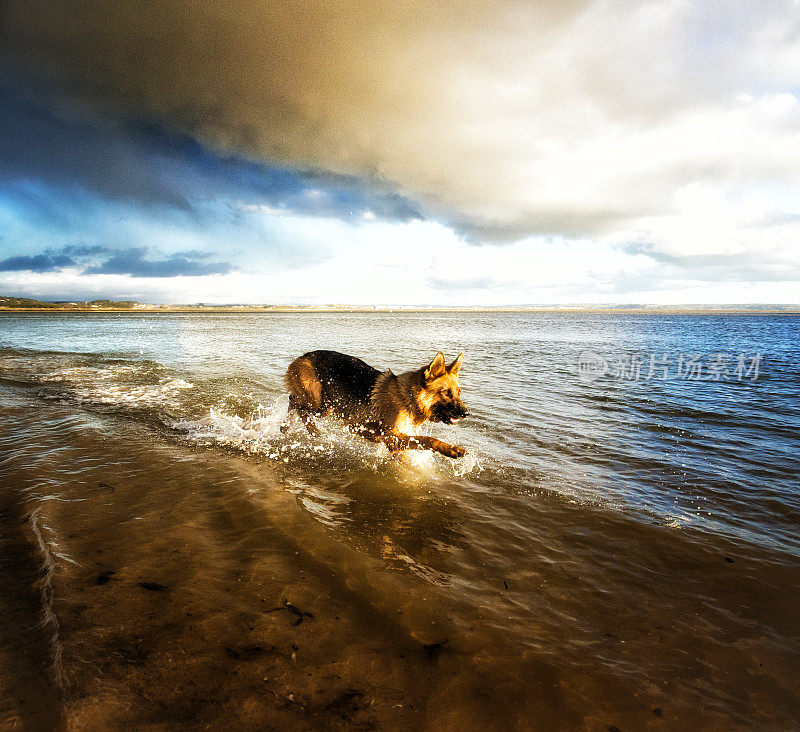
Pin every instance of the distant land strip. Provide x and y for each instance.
(22, 304)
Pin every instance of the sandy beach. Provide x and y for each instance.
(171, 597)
(137, 629)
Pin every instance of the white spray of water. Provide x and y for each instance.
(260, 434)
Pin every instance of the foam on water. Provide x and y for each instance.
(256, 434)
(137, 384)
(165, 393)
(220, 412)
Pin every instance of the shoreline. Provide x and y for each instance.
(171, 310)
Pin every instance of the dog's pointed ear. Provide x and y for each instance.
(455, 367)
(436, 368)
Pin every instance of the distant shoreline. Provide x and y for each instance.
(252, 310)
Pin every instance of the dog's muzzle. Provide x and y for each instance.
(450, 415)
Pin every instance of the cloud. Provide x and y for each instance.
(471, 283)
(425, 263)
(132, 262)
(36, 263)
(70, 151)
(154, 168)
(83, 250)
(504, 119)
(610, 149)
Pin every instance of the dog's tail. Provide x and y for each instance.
(305, 388)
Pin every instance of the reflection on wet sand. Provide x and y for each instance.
(408, 527)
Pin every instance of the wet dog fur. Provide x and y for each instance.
(381, 406)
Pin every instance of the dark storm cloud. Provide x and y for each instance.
(503, 118)
(352, 88)
(67, 150)
(147, 165)
(555, 222)
(506, 118)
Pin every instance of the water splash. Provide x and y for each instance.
(259, 434)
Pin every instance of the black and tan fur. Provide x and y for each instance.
(381, 406)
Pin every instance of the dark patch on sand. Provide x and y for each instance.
(152, 586)
(105, 577)
(432, 649)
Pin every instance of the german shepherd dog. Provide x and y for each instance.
(378, 405)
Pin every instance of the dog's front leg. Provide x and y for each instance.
(423, 442)
(443, 448)
(311, 426)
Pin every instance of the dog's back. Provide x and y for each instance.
(323, 382)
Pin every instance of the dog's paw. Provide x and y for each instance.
(456, 452)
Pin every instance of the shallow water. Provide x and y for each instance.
(616, 551)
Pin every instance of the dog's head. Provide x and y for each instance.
(441, 393)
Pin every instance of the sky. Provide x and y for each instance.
(401, 153)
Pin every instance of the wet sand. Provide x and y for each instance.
(163, 601)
